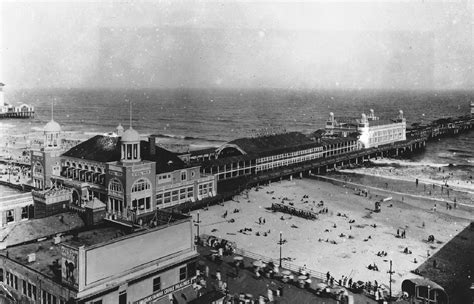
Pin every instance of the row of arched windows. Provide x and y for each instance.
(140, 185)
(84, 167)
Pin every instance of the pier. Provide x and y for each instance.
(18, 114)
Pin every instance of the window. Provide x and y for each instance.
(182, 273)
(183, 175)
(1, 274)
(31, 291)
(10, 216)
(24, 289)
(147, 203)
(24, 212)
(115, 185)
(191, 269)
(156, 284)
(123, 297)
(141, 185)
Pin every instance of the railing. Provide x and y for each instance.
(284, 264)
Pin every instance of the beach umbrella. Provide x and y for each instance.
(302, 277)
(258, 263)
(286, 272)
(238, 258)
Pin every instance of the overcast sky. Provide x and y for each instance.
(242, 44)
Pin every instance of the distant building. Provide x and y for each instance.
(371, 130)
(251, 156)
(104, 264)
(375, 132)
(10, 111)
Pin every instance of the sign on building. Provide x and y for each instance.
(69, 265)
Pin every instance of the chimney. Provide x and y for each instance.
(31, 257)
(57, 239)
(152, 143)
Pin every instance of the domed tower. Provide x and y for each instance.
(46, 163)
(130, 146)
(52, 135)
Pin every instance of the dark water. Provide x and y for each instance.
(212, 117)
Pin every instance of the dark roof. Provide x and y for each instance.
(165, 160)
(424, 282)
(104, 149)
(273, 144)
(98, 148)
(211, 150)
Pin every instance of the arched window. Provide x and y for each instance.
(115, 185)
(38, 169)
(141, 185)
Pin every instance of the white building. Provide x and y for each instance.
(374, 132)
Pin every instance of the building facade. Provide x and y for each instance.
(375, 132)
(15, 208)
(131, 176)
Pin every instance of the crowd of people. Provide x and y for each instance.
(294, 211)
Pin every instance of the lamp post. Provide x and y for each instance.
(280, 243)
(197, 226)
(390, 272)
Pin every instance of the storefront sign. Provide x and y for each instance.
(165, 291)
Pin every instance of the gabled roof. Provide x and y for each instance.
(104, 149)
(98, 148)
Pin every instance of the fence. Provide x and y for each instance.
(284, 264)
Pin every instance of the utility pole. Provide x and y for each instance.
(390, 272)
(197, 225)
(280, 243)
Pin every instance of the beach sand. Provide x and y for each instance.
(350, 256)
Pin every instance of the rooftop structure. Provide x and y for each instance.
(265, 145)
(96, 264)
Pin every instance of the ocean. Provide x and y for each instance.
(203, 118)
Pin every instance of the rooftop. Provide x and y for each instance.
(48, 254)
(265, 145)
(104, 149)
(381, 122)
(29, 230)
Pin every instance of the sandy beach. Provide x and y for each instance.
(345, 240)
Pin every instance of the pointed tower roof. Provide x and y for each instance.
(52, 126)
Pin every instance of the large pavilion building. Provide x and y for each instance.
(370, 129)
(133, 177)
